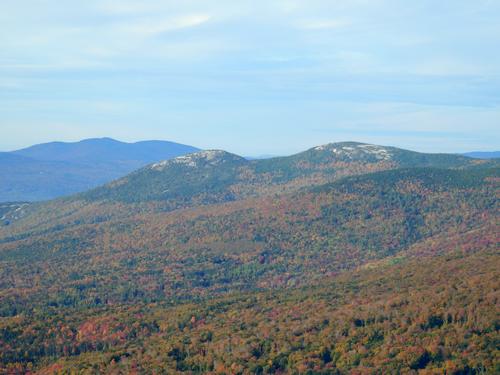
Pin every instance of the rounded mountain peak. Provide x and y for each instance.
(355, 150)
(201, 159)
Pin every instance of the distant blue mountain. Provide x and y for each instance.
(106, 150)
(483, 154)
(51, 170)
(260, 157)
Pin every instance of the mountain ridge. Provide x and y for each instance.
(322, 262)
(263, 243)
(55, 169)
(234, 177)
(91, 149)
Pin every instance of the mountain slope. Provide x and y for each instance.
(24, 178)
(205, 176)
(265, 242)
(191, 180)
(210, 262)
(434, 314)
(56, 169)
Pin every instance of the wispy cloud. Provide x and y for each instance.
(195, 70)
(154, 27)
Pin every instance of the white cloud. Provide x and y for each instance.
(268, 58)
(153, 27)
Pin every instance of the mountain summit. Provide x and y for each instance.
(365, 152)
(105, 151)
(356, 151)
(215, 176)
(200, 159)
(55, 169)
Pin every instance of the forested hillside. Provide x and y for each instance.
(218, 176)
(347, 256)
(211, 177)
(432, 315)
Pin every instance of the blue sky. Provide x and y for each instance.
(252, 77)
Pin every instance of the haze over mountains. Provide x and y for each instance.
(483, 154)
(56, 169)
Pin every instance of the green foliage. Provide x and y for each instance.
(392, 271)
(228, 177)
(436, 313)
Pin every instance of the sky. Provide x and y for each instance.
(252, 77)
